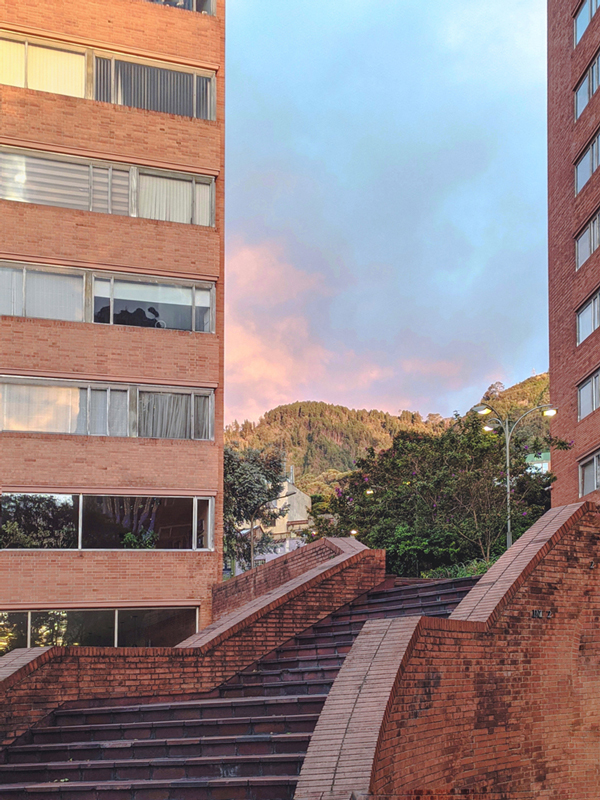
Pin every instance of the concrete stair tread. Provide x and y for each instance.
(259, 780)
(163, 761)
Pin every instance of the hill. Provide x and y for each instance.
(323, 441)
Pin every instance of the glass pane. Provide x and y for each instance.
(203, 304)
(203, 209)
(203, 422)
(148, 305)
(12, 63)
(154, 89)
(47, 409)
(54, 296)
(39, 520)
(120, 192)
(204, 532)
(588, 477)
(155, 627)
(585, 323)
(582, 20)
(204, 100)
(100, 189)
(164, 415)
(582, 96)
(11, 291)
(101, 301)
(13, 631)
(103, 80)
(586, 400)
(137, 522)
(118, 416)
(167, 199)
(583, 171)
(584, 247)
(56, 71)
(98, 412)
(73, 628)
(29, 179)
(205, 6)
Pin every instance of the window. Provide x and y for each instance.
(588, 319)
(587, 241)
(583, 18)
(589, 395)
(30, 177)
(587, 87)
(114, 627)
(115, 522)
(589, 475)
(202, 6)
(37, 291)
(96, 410)
(47, 69)
(128, 83)
(587, 165)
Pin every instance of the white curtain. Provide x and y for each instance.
(203, 210)
(203, 417)
(166, 199)
(12, 63)
(11, 292)
(56, 71)
(98, 412)
(48, 409)
(54, 296)
(118, 413)
(164, 415)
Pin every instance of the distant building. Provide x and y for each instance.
(299, 506)
(539, 462)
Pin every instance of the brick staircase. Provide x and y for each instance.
(245, 739)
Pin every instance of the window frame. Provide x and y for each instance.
(593, 150)
(133, 394)
(594, 302)
(210, 534)
(91, 53)
(592, 75)
(594, 459)
(592, 228)
(594, 381)
(593, 6)
(89, 275)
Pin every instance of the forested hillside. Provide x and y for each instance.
(323, 441)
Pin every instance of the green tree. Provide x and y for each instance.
(434, 500)
(253, 480)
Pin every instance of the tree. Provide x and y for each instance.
(437, 499)
(38, 521)
(253, 480)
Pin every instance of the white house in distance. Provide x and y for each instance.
(299, 506)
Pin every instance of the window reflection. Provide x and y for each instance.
(39, 520)
(66, 628)
(158, 627)
(13, 631)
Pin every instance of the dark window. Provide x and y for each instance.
(158, 523)
(142, 627)
(154, 89)
(39, 520)
(13, 631)
(64, 628)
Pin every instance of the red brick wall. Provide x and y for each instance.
(239, 590)
(495, 699)
(568, 288)
(229, 645)
(64, 237)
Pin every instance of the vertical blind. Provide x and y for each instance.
(52, 296)
(106, 189)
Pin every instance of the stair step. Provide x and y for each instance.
(237, 726)
(258, 788)
(153, 769)
(268, 677)
(279, 689)
(119, 749)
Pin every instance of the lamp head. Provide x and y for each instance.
(482, 410)
(353, 533)
(550, 412)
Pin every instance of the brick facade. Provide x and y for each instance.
(44, 348)
(570, 288)
(500, 699)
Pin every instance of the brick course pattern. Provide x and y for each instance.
(569, 288)
(32, 687)
(500, 698)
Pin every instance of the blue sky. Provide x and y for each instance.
(386, 202)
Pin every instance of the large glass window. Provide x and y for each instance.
(587, 242)
(33, 521)
(589, 475)
(588, 318)
(47, 69)
(202, 6)
(107, 522)
(587, 165)
(29, 177)
(589, 395)
(94, 410)
(42, 292)
(587, 87)
(583, 18)
(104, 627)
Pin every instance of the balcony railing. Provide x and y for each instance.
(201, 6)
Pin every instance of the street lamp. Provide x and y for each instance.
(484, 409)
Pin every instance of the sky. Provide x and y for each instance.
(385, 202)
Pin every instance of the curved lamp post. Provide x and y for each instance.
(508, 428)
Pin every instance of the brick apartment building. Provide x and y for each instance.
(574, 243)
(111, 320)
